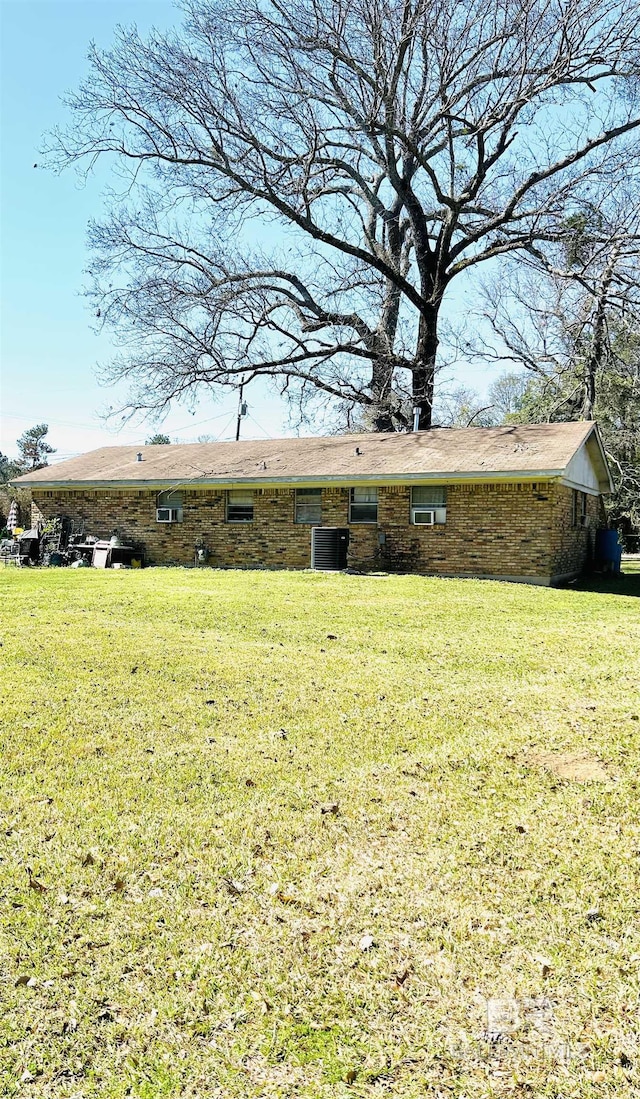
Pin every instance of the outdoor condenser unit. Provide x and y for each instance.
(329, 547)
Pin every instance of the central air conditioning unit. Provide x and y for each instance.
(329, 547)
(424, 517)
(168, 515)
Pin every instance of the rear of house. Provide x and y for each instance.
(519, 503)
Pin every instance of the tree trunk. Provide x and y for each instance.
(383, 421)
(424, 371)
(597, 354)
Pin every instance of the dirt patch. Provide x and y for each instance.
(573, 766)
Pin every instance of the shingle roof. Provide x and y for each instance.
(470, 452)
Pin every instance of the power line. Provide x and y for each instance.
(227, 425)
(198, 423)
(96, 423)
(261, 428)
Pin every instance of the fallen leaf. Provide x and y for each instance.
(351, 1076)
(401, 978)
(119, 885)
(249, 782)
(36, 885)
(25, 981)
(366, 942)
(546, 966)
(286, 898)
(89, 859)
(332, 807)
(234, 888)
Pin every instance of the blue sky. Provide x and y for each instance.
(48, 349)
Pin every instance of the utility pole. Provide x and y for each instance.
(242, 410)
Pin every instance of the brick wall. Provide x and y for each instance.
(516, 530)
(572, 546)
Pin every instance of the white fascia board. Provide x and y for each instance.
(581, 488)
(341, 481)
(595, 434)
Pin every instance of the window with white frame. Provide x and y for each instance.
(363, 505)
(308, 505)
(169, 507)
(239, 506)
(428, 505)
(579, 508)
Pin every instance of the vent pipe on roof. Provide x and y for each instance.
(357, 450)
(139, 456)
(416, 416)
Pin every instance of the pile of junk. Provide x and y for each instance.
(63, 542)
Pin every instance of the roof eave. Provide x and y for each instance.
(338, 480)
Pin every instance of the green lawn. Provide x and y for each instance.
(275, 834)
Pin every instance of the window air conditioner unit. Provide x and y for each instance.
(424, 517)
(167, 515)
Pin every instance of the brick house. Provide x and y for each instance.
(521, 502)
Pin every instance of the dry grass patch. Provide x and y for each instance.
(573, 766)
(241, 859)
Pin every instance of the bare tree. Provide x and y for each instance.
(565, 312)
(506, 394)
(462, 406)
(305, 181)
(571, 319)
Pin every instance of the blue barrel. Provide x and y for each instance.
(608, 550)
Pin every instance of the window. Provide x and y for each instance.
(579, 508)
(169, 507)
(239, 507)
(428, 505)
(308, 507)
(363, 505)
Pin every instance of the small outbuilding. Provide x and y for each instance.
(520, 502)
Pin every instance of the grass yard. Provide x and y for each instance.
(298, 835)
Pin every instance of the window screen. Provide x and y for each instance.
(239, 507)
(169, 499)
(427, 498)
(363, 505)
(308, 505)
